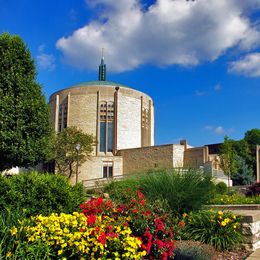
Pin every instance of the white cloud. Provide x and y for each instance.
(217, 87)
(248, 65)
(218, 130)
(169, 32)
(46, 61)
(199, 93)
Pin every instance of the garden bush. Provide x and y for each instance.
(122, 191)
(219, 229)
(148, 222)
(183, 190)
(193, 250)
(76, 236)
(221, 187)
(40, 193)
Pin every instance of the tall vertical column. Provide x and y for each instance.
(56, 117)
(258, 163)
(141, 121)
(68, 111)
(115, 120)
(97, 123)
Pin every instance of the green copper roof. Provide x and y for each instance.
(99, 83)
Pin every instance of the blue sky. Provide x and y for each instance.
(199, 61)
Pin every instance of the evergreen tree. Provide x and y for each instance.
(24, 113)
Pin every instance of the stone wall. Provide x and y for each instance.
(128, 122)
(93, 167)
(195, 157)
(147, 158)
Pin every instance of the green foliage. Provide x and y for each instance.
(219, 229)
(228, 162)
(40, 193)
(24, 113)
(9, 248)
(182, 190)
(244, 174)
(65, 153)
(124, 190)
(221, 187)
(234, 199)
(193, 250)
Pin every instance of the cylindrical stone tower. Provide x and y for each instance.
(118, 116)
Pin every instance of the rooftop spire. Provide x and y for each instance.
(102, 68)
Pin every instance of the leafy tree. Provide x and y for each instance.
(252, 138)
(244, 174)
(65, 149)
(24, 113)
(228, 162)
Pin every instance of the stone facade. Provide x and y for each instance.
(147, 158)
(118, 116)
(122, 121)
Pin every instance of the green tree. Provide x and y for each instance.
(244, 174)
(228, 156)
(65, 153)
(252, 138)
(24, 113)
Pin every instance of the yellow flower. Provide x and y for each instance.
(13, 231)
(60, 252)
(220, 213)
(9, 254)
(184, 215)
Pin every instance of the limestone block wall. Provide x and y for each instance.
(93, 167)
(147, 158)
(178, 155)
(195, 157)
(128, 122)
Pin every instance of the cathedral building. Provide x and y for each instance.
(122, 121)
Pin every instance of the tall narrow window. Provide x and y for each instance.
(60, 118)
(63, 115)
(106, 126)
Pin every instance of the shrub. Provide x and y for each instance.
(193, 250)
(253, 189)
(183, 190)
(75, 236)
(219, 229)
(122, 191)
(148, 222)
(221, 187)
(40, 193)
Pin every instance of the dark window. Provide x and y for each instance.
(102, 140)
(107, 170)
(106, 116)
(110, 137)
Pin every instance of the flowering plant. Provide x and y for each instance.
(148, 223)
(218, 228)
(83, 237)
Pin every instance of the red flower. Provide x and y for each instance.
(91, 219)
(102, 238)
(159, 224)
(164, 256)
(142, 202)
(140, 194)
(181, 224)
(159, 243)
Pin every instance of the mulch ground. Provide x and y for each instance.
(233, 255)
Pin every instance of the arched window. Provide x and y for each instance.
(106, 126)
